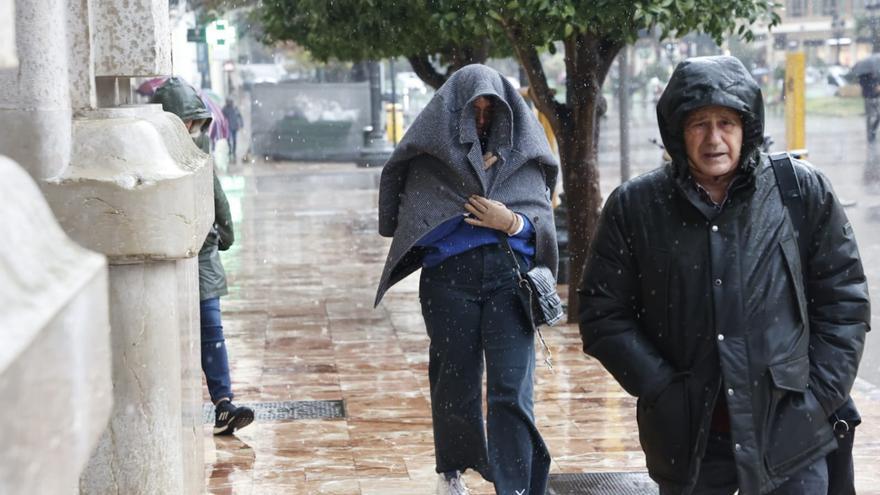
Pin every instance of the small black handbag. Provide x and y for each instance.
(537, 291)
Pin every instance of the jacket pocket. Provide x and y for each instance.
(797, 429)
(792, 374)
(664, 432)
(796, 424)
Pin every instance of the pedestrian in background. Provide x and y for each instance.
(466, 198)
(870, 85)
(235, 122)
(697, 298)
(179, 98)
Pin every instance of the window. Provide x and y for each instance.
(829, 7)
(869, 6)
(796, 8)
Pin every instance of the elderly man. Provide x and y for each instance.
(698, 301)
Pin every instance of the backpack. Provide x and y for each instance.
(840, 462)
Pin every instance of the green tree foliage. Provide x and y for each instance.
(459, 31)
(868, 25)
(376, 29)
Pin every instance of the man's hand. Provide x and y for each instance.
(491, 214)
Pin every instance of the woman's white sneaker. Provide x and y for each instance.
(453, 485)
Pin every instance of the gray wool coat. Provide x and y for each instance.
(439, 164)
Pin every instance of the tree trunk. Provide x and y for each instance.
(578, 152)
(588, 60)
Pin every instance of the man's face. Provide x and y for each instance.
(713, 139)
(483, 112)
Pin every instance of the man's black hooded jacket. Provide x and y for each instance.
(681, 301)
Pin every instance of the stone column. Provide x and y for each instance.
(34, 100)
(126, 181)
(146, 204)
(8, 57)
(55, 358)
(132, 38)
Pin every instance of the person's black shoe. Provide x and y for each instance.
(228, 418)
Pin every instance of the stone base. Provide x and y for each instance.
(57, 398)
(55, 358)
(120, 192)
(152, 444)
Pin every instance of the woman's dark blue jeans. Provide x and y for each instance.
(472, 311)
(215, 362)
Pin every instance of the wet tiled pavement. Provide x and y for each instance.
(300, 327)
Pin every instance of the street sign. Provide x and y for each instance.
(195, 35)
(220, 33)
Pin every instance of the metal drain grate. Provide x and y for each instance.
(288, 410)
(601, 484)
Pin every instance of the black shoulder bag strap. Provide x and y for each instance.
(792, 199)
(840, 462)
(525, 293)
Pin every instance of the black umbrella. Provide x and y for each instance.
(869, 65)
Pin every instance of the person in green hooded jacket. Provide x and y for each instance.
(179, 98)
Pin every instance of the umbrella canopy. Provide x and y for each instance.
(149, 87)
(219, 127)
(869, 65)
(212, 96)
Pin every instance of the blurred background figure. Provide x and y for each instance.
(234, 123)
(868, 73)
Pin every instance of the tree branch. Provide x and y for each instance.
(539, 90)
(572, 63)
(481, 51)
(581, 92)
(461, 55)
(608, 51)
(423, 68)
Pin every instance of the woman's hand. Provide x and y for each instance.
(491, 214)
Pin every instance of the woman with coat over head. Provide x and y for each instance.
(473, 171)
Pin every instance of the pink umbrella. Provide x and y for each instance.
(148, 88)
(219, 128)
